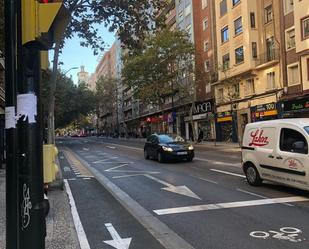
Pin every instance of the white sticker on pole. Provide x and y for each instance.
(27, 107)
(10, 119)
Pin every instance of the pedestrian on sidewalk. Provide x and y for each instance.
(200, 135)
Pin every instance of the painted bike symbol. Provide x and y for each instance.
(286, 233)
(25, 207)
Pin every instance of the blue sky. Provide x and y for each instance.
(74, 55)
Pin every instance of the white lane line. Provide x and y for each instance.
(117, 167)
(106, 159)
(218, 162)
(124, 176)
(228, 205)
(83, 241)
(206, 180)
(227, 173)
(257, 195)
(86, 178)
(72, 179)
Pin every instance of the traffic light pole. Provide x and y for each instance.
(12, 210)
(32, 227)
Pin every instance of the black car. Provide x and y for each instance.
(167, 147)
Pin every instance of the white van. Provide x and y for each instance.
(277, 150)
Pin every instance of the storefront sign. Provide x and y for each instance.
(296, 105)
(265, 110)
(224, 117)
(203, 107)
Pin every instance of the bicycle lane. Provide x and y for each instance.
(100, 220)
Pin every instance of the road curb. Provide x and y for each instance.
(166, 236)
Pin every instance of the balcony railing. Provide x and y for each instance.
(271, 55)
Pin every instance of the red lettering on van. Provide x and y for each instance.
(258, 139)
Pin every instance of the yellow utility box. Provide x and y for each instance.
(50, 168)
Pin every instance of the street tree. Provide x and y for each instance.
(131, 20)
(164, 68)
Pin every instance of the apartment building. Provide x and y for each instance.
(249, 82)
(295, 56)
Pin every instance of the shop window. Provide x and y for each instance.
(271, 82)
(220, 95)
(239, 55)
(293, 141)
(268, 14)
(238, 26)
(223, 7)
(293, 75)
(305, 28)
(290, 39)
(225, 34)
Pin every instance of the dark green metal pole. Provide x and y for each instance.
(32, 227)
(12, 213)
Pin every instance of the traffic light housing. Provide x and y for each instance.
(39, 21)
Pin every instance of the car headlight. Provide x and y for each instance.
(191, 147)
(167, 149)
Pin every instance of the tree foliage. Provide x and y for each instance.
(106, 94)
(162, 67)
(72, 103)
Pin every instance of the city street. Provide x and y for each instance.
(120, 200)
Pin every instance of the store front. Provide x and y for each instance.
(297, 108)
(226, 127)
(203, 121)
(264, 112)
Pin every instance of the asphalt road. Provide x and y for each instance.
(205, 204)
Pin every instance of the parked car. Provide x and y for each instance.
(277, 151)
(165, 147)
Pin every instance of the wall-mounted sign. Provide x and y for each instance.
(296, 105)
(203, 107)
(265, 110)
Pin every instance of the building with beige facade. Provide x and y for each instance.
(249, 67)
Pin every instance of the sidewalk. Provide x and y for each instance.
(61, 232)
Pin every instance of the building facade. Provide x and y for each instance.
(82, 75)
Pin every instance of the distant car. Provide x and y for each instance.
(165, 147)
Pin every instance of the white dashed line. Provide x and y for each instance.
(227, 173)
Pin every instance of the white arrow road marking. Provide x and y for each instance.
(85, 149)
(229, 205)
(124, 176)
(104, 160)
(117, 242)
(228, 173)
(66, 169)
(120, 166)
(182, 190)
(111, 147)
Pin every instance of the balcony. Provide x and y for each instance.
(267, 59)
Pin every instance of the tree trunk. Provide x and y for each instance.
(51, 106)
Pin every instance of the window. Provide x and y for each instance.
(238, 26)
(293, 75)
(268, 13)
(220, 94)
(254, 50)
(205, 24)
(204, 4)
(223, 8)
(290, 39)
(290, 140)
(270, 49)
(239, 55)
(249, 88)
(288, 6)
(180, 16)
(305, 28)
(271, 83)
(207, 65)
(308, 69)
(206, 46)
(235, 91)
(252, 19)
(226, 61)
(188, 10)
(235, 2)
(225, 34)
(208, 88)
(307, 129)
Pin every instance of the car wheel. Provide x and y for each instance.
(253, 176)
(146, 156)
(190, 159)
(160, 157)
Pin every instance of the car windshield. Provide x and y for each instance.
(170, 139)
(307, 129)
